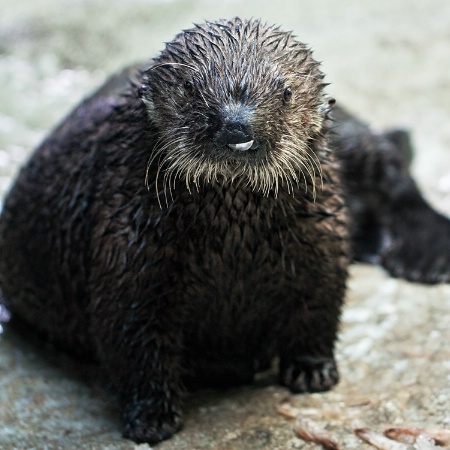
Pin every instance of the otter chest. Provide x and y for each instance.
(237, 250)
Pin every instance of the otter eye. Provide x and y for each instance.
(189, 87)
(287, 95)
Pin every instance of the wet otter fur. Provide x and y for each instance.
(189, 222)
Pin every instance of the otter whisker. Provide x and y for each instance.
(153, 155)
(156, 185)
(204, 99)
(173, 64)
(164, 157)
(287, 172)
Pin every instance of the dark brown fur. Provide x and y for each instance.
(225, 260)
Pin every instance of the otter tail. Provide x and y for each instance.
(393, 224)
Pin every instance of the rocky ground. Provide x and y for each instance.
(388, 61)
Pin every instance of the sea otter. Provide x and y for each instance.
(191, 221)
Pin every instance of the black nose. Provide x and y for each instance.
(236, 131)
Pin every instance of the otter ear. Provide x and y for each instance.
(145, 92)
(145, 95)
(327, 106)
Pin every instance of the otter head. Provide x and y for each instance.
(237, 102)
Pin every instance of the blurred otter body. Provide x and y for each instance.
(235, 252)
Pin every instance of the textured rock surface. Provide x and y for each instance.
(388, 62)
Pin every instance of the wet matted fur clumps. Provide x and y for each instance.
(193, 220)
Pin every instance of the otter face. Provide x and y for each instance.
(236, 101)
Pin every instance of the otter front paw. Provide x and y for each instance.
(309, 374)
(144, 421)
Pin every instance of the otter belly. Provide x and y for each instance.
(234, 334)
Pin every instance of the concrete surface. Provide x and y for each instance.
(388, 61)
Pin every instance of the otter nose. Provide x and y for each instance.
(237, 136)
(236, 132)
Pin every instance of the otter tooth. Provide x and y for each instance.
(242, 147)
